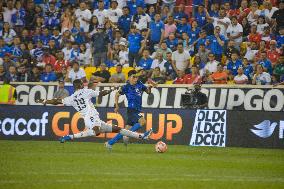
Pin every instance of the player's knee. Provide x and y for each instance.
(96, 129)
(142, 121)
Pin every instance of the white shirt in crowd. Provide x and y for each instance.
(251, 18)
(100, 14)
(234, 30)
(121, 3)
(143, 21)
(158, 63)
(67, 53)
(222, 27)
(260, 28)
(150, 2)
(76, 75)
(85, 58)
(83, 14)
(250, 54)
(114, 14)
(7, 14)
(269, 13)
(263, 79)
(211, 66)
(123, 57)
(181, 59)
(239, 78)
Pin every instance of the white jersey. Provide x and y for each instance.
(81, 101)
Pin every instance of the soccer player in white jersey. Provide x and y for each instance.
(81, 101)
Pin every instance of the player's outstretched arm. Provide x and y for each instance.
(106, 92)
(54, 101)
(150, 86)
(117, 94)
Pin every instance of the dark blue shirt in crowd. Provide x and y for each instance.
(172, 44)
(145, 63)
(156, 30)
(200, 19)
(124, 23)
(4, 50)
(280, 40)
(193, 35)
(214, 45)
(179, 15)
(47, 77)
(234, 66)
(266, 64)
(134, 42)
(133, 94)
(248, 71)
(181, 28)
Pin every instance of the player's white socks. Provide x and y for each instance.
(83, 134)
(128, 133)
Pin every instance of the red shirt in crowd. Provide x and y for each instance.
(254, 38)
(273, 55)
(48, 59)
(190, 79)
(59, 64)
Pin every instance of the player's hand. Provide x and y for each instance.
(40, 101)
(116, 109)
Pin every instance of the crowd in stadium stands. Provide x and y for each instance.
(167, 41)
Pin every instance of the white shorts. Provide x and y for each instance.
(92, 121)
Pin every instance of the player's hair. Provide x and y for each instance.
(132, 72)
(77, 83)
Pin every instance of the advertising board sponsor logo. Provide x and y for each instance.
(265, 129)
(21, 126)
(209, 128)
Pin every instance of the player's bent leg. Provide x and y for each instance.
(87, 133)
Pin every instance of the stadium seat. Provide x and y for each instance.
(112, 70)
(126, 70)
(89, 71)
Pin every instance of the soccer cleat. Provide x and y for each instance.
(147, 134)
(64, 138)
(108, 146)
(125, 140)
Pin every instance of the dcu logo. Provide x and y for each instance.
(265, 129)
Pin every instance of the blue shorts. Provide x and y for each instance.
(133, 116)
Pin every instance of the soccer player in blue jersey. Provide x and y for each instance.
(133, 90)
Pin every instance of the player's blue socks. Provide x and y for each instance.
(119, 136)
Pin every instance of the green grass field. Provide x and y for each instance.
(38, 164)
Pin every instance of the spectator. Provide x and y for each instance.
(34, 75)
(241, 78)
(134, 43)
(279, 68)
(76, 73)
(247, 69)
(9, 11)
(8, 93)
(7, 33)
(171, 70)
(101, 46)
(183, 27)
(211, 65)
(159, 61)
(22, 75)
(102, 75)
(266, 64)
(123, 54)
(48, 75)
(157, 76)
(114, 12)
(60, 63)
(234, 64)
(124, 22)
(180, 77)
(101, 12)
(7, 62)
(277, 17)
(12, 74)
(145, 62)
(193, 77)
(181, 58)
(61, 92)
(85, 57)
(67, 20)
(246, 27)
(84, 16)
(203, 53)
(273, 53)
(118, 77)
(260, 77)
(170, 26)
(261, 24)
(254, 36)
(220, 76)
(216, 43)
(157, 30)
(235, 32)
(163, 49)
(254, 13)
(172, 42)
(141, 19)
(2, 73)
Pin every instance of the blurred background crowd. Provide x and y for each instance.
(166, 41)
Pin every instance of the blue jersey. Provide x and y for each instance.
(248, 71)
(156, 30)
(234, 66)
(134, 42)
(200, 19)
(266, 64)
(133, 94)
(214, 46)
(145, 63)
(124, 23)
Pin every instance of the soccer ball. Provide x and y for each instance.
(161, 147)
